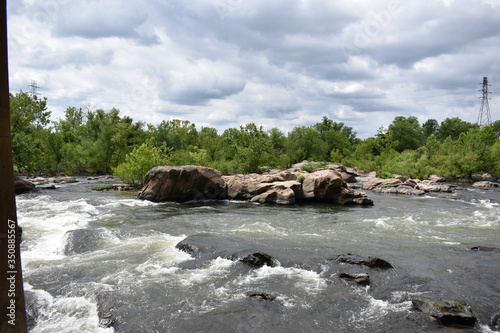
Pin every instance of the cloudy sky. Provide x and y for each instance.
(277, 63)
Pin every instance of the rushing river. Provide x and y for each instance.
(123, 261)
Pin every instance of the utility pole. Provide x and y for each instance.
(12, 307)
(484, 117)
(33, 88)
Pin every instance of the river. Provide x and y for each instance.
(86, 252)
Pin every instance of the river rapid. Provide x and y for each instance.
(87, 254)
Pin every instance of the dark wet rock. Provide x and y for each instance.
(211, 246)
(495, 322)
(23, 186)
(371, 262)
(187, 247)
(360, 278)
(261, 296)
(446, 312)
(486, 249)
(30, 321)
(106, 312)
(82, 240)
(107, 319)
(49, 187)
(183, 183)
(258, 259)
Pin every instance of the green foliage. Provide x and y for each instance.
(102, 187)
(141, 160)
(28, 116)
(301, 179)
(406, 133)
(99, 141)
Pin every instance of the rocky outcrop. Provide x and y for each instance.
(200, 183)
(183, 183)
(279, 189)
(446, 312)
(404, 185)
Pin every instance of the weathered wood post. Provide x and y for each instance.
(12, 307)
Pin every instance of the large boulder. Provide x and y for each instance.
(182, 183)
(328, 186)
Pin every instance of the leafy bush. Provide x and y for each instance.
(301, 179)
(141, 160)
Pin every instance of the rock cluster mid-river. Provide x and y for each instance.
(98, 259)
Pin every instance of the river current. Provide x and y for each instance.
(89, 254)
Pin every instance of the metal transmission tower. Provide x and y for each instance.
(484, 117)
(33, 86)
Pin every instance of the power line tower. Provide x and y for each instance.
(484, 117)
(34, 87)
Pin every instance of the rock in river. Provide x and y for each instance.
(447, 312)
(183, 183)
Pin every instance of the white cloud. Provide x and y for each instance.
(283, 63)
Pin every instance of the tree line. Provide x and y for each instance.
(104, 142)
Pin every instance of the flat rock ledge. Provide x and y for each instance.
(405, 185)
(195, 183)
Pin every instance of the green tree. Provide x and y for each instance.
(141, 160)
(430, 127)
(406, 133)
(453, 127)
(29, 116)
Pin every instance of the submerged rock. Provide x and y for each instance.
(210, 246)
(446, 312)
(486, 249)
(261, 296)
(371, 262)
(81, 240)
(495, 321)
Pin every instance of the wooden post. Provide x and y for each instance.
(12, 307)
